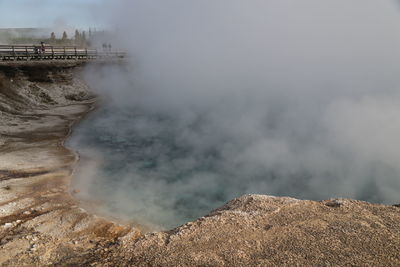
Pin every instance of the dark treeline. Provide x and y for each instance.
(80, 38)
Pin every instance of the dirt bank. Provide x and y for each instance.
(41, 224)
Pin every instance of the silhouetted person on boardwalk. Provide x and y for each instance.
(43, 48)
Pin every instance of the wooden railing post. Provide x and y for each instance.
(52, 52)
(65, 53)
(26, 52)
(13, 52)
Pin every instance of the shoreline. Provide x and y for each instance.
(37, 209)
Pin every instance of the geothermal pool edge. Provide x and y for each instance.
(42, 224)
(37, 211)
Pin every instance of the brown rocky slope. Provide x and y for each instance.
(41, 224)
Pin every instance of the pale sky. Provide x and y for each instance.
(50, 13)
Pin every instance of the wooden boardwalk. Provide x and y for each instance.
(35, 52)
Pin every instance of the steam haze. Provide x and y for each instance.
(223, 98)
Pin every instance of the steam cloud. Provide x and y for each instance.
(280, 97)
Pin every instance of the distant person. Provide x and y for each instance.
(43, 48)
(104, 47)
(109, 47)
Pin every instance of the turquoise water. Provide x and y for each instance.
(146, 172)
(159, 170)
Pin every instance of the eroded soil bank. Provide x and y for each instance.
(41, 224)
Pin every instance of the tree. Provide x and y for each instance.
(53, 37)
(83, 39)
(64, 37)
(78, 38)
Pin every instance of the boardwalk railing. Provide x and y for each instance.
(32, 52)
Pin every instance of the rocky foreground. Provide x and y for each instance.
(41, 224)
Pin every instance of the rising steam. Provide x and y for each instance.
(223, 98)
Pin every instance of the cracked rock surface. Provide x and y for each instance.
(41, 224)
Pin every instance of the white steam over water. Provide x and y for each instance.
(223, 98)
